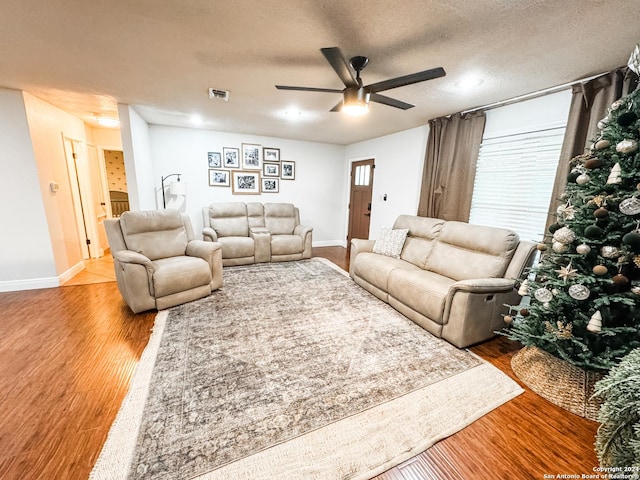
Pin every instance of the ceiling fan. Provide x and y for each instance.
(356, 96)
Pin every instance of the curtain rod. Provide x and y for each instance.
(539, 93)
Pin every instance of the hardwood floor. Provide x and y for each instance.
(66, 359)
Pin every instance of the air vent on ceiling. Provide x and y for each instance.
(219, 94)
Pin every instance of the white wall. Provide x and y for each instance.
(399, 161)
(318, 189)
(26, 256)
(47, 126)
(138, 159)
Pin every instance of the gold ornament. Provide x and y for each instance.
(564, 235)
(583, 249)
(598, 200)
(636, 261)
(583, 179)
(559, 247)
(627, 146)
(567, 212)
(560, 330)
(567, 272)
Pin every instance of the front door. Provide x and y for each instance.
(360, 199)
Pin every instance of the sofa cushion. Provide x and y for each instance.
(464, 252)
(280, 218)
(229, 219)
(423, 291)
(375, 269)
(390, 241)
(154, 234)
(286, 244)
(255, 214)
(237, 247)
(420, 239)
(178, 274)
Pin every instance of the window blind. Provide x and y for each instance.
(514, 180)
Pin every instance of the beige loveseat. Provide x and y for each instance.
(256, 232)
(158, 262)
(451, 278)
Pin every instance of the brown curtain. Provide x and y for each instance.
(589, 105)
(450, 166)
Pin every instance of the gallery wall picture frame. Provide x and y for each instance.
(270, 185)
(245, 182)
(288, 170)
(251, 156)
(270, 154)
(219, 178)
(215, 159)
(231, 157)
(270, 169)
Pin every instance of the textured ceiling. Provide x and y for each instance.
(161, 56)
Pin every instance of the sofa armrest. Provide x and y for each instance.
(209, 234)
(134, 273)
(359, 245)
(210, 252)
(129, 256)
(306, 234)
(261, 244)
(302, 230)
(482, 285)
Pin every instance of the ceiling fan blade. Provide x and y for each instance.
(339, 64)
(338, 107)
(406, 80)
(392, 102)
(308, 89)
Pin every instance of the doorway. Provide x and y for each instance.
(360, 199)
(87, 179)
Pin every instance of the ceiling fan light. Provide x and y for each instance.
(356, 101)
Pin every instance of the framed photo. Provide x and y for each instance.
(271, 154)
(219, 178)
(270, 169)
(270, 185)
(215, 159)
(288, 170)
(244, 182)
(231, 157)
(251, 157)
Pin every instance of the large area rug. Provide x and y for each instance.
(292, 371)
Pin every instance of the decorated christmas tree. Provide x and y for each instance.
(585, 292)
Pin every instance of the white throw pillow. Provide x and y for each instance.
(390, 241)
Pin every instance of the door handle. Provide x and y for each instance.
(367, 214)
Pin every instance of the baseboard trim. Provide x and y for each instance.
(29, 284)
(330, 243)
(72, 272)
(44, 282)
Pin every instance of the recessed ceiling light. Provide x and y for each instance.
(469, 82)
(108, 122)
(195, 119)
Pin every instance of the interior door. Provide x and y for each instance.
(360, 199)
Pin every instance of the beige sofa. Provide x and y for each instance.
(256, 232)
(451, 278)
(158, 262)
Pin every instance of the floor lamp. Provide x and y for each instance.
(175, 188)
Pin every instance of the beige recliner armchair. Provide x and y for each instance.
(158, 262)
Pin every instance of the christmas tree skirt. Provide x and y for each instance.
(558, 381)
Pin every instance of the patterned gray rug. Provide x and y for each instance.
(292, 371)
